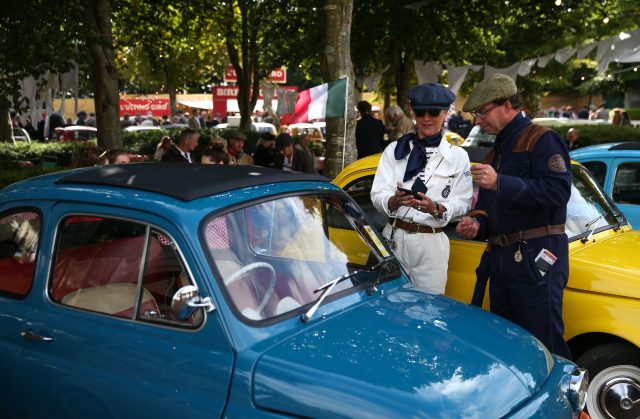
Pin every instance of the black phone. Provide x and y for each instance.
(409, 191)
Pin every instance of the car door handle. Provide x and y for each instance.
(31, 335)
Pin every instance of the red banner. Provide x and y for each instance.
(279, 75)
(157, 107)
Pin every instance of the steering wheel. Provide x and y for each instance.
(242, 272)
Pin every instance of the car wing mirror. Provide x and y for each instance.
(187, 300)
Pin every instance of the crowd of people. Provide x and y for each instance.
(615, 116)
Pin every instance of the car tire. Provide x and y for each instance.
(614, 387)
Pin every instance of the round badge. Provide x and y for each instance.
(446, 191)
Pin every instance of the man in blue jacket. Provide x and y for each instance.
(525, 185)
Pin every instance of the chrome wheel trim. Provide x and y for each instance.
(614, 393)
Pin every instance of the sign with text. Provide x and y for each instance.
(222, 95)
(279, 75)
(157, 107)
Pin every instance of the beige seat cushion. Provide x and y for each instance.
(116, 299)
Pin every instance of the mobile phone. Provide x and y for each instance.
(409, 191)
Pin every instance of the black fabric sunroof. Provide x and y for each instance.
(628, 145)
(184, 181)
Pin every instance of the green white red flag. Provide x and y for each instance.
(325, 101)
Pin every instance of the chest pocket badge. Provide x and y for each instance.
(446, 191)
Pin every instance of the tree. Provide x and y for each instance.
(36, 37)
(165, 44)
(335, 63)
(104, 78)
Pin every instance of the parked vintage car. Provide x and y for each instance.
(75, 133)
(601, 301)
(616, 167)
(168, 290)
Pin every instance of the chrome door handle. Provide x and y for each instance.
(31, 335)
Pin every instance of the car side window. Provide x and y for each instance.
(598, 169)
(19, 235)
(116, 267)
(626, 186)
(360, 191)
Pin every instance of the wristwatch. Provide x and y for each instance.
(436, 211)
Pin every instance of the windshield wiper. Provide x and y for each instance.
(588, 225)
(326, 288)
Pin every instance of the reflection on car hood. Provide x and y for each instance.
(399, 354)
(610, 266)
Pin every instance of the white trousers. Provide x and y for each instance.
(425, 257)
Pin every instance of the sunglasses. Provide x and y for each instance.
(421, 112)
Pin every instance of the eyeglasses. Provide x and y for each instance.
(421, 112)
(483, 113)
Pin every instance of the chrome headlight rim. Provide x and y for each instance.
(578, 385)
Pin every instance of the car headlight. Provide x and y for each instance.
(578, 385)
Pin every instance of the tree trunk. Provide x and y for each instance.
(335, 63)
(104, 72)
(173, 97)
(403, 66)
(6, 133)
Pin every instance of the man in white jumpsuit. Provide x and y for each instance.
(439, 174)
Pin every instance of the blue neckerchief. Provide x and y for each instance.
(418, 157)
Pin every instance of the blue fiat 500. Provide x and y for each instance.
(159, 290)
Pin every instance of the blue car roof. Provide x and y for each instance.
(619, 148)
(183, 181)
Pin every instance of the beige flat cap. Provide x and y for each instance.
(498, 86)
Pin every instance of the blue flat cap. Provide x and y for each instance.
(430, 96)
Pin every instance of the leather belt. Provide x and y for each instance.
(504, 240)
(413, 227)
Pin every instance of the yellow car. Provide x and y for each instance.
(602, 298)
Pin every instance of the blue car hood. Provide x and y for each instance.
(406, 353)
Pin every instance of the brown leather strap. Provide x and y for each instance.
(529, 137)
(504, 240)
(478, 213)
(413, 227)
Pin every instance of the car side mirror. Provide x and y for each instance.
(187, 300)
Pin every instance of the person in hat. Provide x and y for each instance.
(289, 157)
(437, 173)
(525, 184)
(235, 149)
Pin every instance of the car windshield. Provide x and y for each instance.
(273, 257)
(589, 208)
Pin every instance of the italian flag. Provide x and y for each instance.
(325, 101)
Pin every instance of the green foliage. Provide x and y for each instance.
(33, 152)
(634, 113)
(598, 134)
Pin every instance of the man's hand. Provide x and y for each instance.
(467, 228)
(485, 176)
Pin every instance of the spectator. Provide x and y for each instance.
(181, 153)
(162, 148)
(369, 131)
(600, 113)
(194, 120)
(616, 119)
(455, 121)
(265, 153)
(214, 153)
(117, 156)
(126, 121)
(288, 157)
(306, 155)
(584, 113)
(91, 121)
(625, 120)
(82, 116)
(148, 121)
(235, 149)
(398, 123)
(572, 139)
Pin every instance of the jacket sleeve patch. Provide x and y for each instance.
(557, 164)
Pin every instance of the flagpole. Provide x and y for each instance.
(346, 112)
